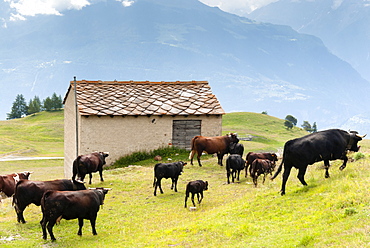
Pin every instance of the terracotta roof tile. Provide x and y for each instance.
(145, 98)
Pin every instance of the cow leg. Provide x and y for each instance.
(198, 158)
(92, 222)
(50, 229)
(101, 175)
(238, 175)
(201, 197)
(160, 185)
(175, 184)
(80, 225)
(43, 226)
(301, 173)
(192, 198)
(255, 177)
(327, 165)
(186, 197)
(220, 156)
(191, 156)
(20, 217)
(228, 176)
(286, 174)
(264, 177)
(90, 175)
(345, 159)
(246, 169)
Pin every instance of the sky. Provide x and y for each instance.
(15, 10)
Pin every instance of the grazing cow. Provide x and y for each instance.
(325, 145)
(7, 182)
(87, 164)
(261, 166)
(167, 170)
(236, 148)
(251, 156)
(234, 164)
(195, 187)
(83, 204)
(27, 192)
(218, 144)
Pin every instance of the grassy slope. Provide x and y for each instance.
(328, 213)
(40, 134)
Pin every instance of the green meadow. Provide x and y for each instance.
(333, 212)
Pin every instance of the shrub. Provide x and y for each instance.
(358, 155)
(143, 155)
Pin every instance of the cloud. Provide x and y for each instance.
(24, 8)
(126, 3)
(239, 7)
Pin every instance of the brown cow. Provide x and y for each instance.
(83, 204)
(87, 164)
(27, 192)
(8, 182)
(261, 166)
(251, 156)
(218, 144)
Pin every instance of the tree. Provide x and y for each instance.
(34, 105)
(307, 126)
(264, 112)
(19, 108)
(292, 119)
(56, 101)
(288, 124)
(48, 104)
(314, 128)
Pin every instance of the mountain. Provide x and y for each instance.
(342, 25)
(250, 66)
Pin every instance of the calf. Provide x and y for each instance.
(87, 164)
(8, 182)
(167, 170)
(195, 187)
(251, 156)
(234, 164)
(83, 204)
(27, 192)
(261, 166)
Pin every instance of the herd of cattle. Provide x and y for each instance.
(69, 199)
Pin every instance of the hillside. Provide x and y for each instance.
(41, 134)
(331, 212)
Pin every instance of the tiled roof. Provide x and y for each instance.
(145, 98)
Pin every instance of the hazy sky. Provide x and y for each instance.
(13, 10)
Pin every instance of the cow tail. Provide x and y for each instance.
(15, 201)
(76, 166)
(155, 179)
(278, 170)
(43, 198)
(192, 152)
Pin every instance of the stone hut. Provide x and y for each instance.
(122, 117)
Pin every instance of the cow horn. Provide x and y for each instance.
(108, 189)
(363, 136)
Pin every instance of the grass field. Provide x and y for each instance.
(332, 212)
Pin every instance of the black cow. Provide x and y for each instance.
(195, 187)
(251, 156)
(27, 192)
(83, 204)
(236, 148)
(261, 166)
(234, 164)
(8, 182)
(87, 164)
(326, 145)
(167, 170)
